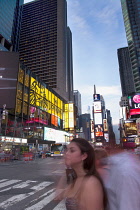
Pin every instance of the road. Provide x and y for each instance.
(30, 185)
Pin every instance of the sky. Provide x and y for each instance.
(97, 32)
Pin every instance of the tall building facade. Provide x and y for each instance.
(45, 44)
(9, 24)
(131, 16)
(77, 101)
(69, 65)
(125, 70)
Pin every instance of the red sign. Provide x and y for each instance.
(134, 111)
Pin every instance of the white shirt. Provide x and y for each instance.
(123, 187)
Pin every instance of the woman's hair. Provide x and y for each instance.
(89, 162)
(85, 147)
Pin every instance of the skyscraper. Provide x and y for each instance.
(45, 44)
(131, 16)
(126, 76)
(77, 101)
(9, 20)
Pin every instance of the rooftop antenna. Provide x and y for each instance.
(94, 89)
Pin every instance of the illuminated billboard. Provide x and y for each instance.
(96, 97)
(138, 126)
(105, 125)
(44, 99)
(134, 104)
(92, 126)
(97, 118)
(97, 107)
(69, 116)
(58, 136)
(106, 136)
(99, 130)
(130, 128)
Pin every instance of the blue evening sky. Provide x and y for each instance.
(98, 31)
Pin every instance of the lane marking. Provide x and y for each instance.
(6, 183)
(44, 195)
(41, 186)
(60, 206)
(2, 180)
(14, 199)
(43, 202)
(58, 171)
(21, 185)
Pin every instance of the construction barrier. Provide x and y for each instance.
(28, 156)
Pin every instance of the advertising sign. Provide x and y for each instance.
(99, 138)
(69, 116)
(98, 130)
(106, 136)
(96, 97)
(105, 124)
(92, 126)
(41, 97)
(97, 107)
(97, 118)
(130, 128)
(51, 134)
(134, 104)
(138, 126)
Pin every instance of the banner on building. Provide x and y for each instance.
(105, 125)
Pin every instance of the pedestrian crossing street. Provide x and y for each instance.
(28, 195)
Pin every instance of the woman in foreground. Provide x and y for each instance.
(86, 191)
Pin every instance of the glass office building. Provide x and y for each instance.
(9, 18)
(46, 46)
(131, 16)
(125, 70)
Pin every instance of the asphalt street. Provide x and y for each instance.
(30, 185)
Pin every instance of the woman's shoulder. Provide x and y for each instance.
(92, 188)
(92, 179)
(92, 182)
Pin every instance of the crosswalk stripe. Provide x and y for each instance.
(42, 203)
(2, 180)
(21, 185)
(10, 182)
(14, 199)
(41, 186)
(60, 206)
(44, 195)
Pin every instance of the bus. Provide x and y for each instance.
(129, 142)
(58, 149)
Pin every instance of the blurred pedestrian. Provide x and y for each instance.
(102, 165)
(86, 191)
(123, 186)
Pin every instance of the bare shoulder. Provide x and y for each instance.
(92, 194)
(92, 183)
(92, 180)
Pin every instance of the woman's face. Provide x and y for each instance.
(73, 155)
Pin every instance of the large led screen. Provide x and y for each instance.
(58, 136)
(99, 130)
(97, 107)
(96, 97)
(134, 104)
(97, 118)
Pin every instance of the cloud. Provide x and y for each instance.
(107, 15)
